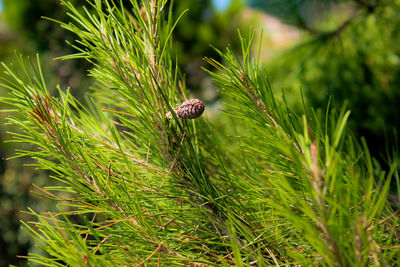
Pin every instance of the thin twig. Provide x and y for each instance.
(151, 255)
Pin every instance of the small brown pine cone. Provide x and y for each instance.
(190, 109)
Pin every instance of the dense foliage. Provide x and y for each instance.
(27, 31)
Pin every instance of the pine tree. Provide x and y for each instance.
(348, 51)
(151, 180)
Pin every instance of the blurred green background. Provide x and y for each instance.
(345, 49)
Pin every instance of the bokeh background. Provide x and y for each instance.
(342, 51)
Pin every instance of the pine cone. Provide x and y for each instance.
(190, 109)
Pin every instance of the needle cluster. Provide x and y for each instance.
(144, 186)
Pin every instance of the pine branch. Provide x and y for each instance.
(151, 181)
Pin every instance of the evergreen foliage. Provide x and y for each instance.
(26, 31)
(262, 186)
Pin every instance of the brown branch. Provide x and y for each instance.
(328, 34)
(318, 185)
(255, 98)
(151, 255)
(369, 7)
(102, 242)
